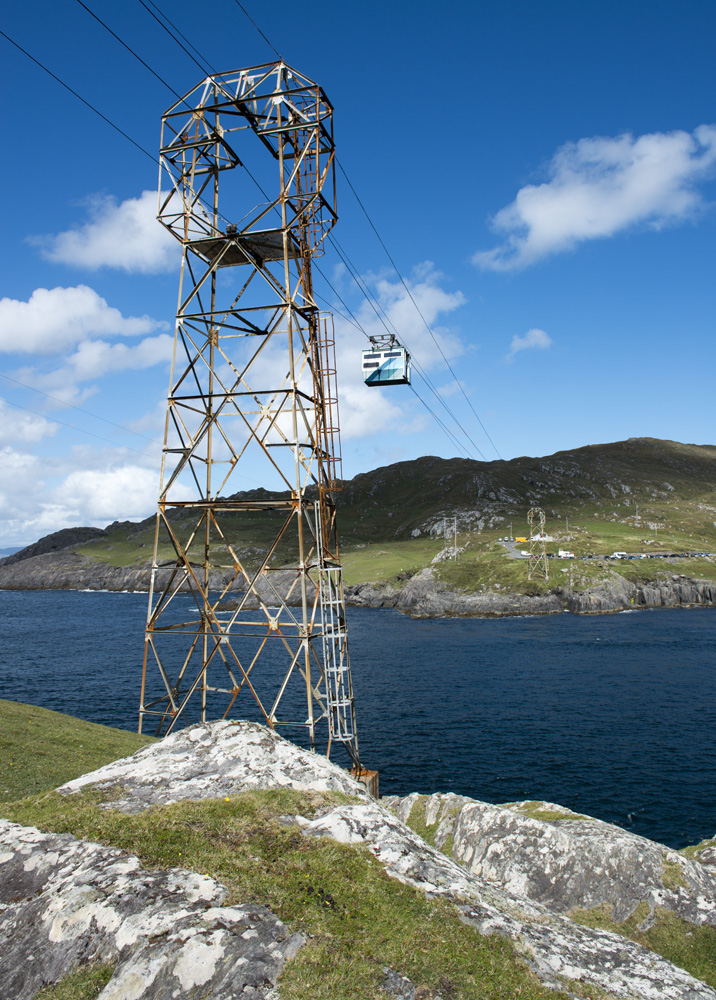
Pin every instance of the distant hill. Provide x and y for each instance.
(642, 494)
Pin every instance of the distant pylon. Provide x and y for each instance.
(252, 399)
(537, 565)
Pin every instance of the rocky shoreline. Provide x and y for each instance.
(424, 596)
(421, 596)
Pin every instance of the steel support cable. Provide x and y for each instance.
(95, 416)
(417, 307)
(92, 107)
(366, 292)
(344, 257)
(395, 268)
(128, 48)
(355, 322)
(161, 12)
(270, 45)
(79, 97)
(437, 418)
(72, 427)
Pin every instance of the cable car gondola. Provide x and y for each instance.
(386, 362)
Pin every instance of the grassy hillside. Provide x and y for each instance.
(40, 750)
(357, 919)
(640, 495)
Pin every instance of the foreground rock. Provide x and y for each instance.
(69, 902)
(209, 761)
(565, 861)
(66, 902)
(556, 948)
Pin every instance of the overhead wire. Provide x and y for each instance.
(394, 266)
(417, 307)
(78, 96)
(269, 43)
(161, 24)
(129, 48)
(74, 406)
(385, 320)
(354, 273)
(72, 427)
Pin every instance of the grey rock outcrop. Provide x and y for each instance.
(565, 861)
(66, 902)
(618, 594)
(558, 949)
(423, 595)
(211, 760)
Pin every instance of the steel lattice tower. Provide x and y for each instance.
(538, 551)
(252, 391)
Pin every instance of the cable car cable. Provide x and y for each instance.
(129, 49)
(417, 307)
(390, 258)
(95, 416)
(202, 68)
(258, 29)
(334, 242)
(72, 427)
(79, 98)
(366, 292)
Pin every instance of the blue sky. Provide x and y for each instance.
(542, 174)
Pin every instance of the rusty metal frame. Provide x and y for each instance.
(253, 386)
(537, 565)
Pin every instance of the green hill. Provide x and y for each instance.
(640, 495)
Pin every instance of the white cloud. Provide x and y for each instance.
(125, 236)
(600, 186)
(39, 495)
(533, 340)
(55, 318)
(94, 359)
(19, 426)
(123, 492)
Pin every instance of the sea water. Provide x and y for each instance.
(613, 716)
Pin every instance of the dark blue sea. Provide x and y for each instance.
(614, 716)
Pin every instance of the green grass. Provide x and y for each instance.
(673, 875)
(686, 945)
(388, 560)
(86, 983)
(534, 810)
(357, 920)
(694, 850)
(40, 750)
